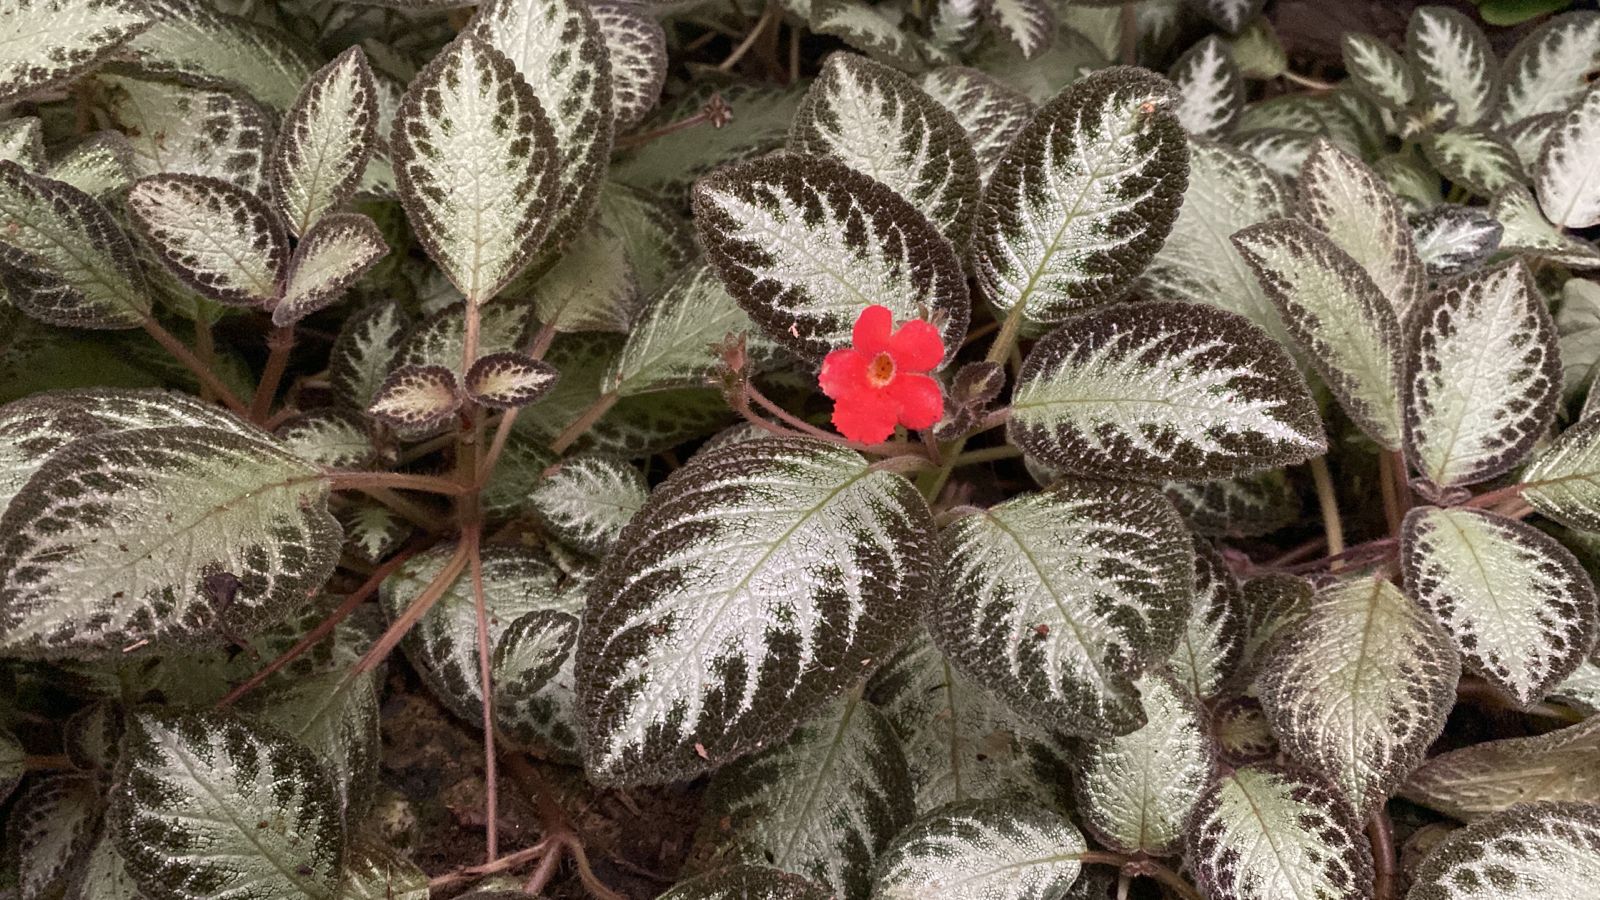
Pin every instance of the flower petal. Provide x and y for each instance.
(844, 372)
(871, 334)
(916, 347)
(865, 416)
(919, 399)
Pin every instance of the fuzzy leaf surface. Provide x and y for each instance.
(1350, 203)
(982, 850)
(1527, 852)
(1490, 777)
(325, 140)
(219, 239)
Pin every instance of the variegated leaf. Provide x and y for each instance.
(476, 163)
(1248, 506)
(1378, 72)
(1488, 778)
(1070, 56)
(1155, 391)
(1282, 151)
(873, 29)
(1527, 852)
(954, 25)
(637, 47)
(1563, 481)
(1228, 191)
(161, 520)
(440, 339)
(1265, 833)
(1359, 686)
(533, 650)
(1528, 232)
(1479, 161)
(1136, 792)
(1229, 15)
(335, 438)
(1567, 177)
(508, 380)
(671, 344)
(1454, 240)
(334, 714)
(1454, 63)
(821, 804)
(746, 594)
(588, 500)
(1578, 336)
(65, 260)
(1212, 643)
(1082, 199)
(1055, 601)
(1210, 89)
(22, 141)
(658, 241)
(1521, 609)
(1243, 734)
(1030, 25)
(592, 287)
(417, 399)
(375, 871)
(192, 42)
(211, 807)
(98, 165)
(217, 238)
(51, 42)
(50, 831)
(443, 646)
(1412, 180)
(1550, 67)
(325, 141)
(1527, 137)
(1483, 379)
(1581, 689)
(561, 53)
(982, 850)
(1350, 203)
(364, 352)
(332, 255)
(878, 122)
(104, 875)
(747, 882)
(804, 244)
(372, 531)
(1256, 49)
(1338, 317)
(990, 111)
(184, 130)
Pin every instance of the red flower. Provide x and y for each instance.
(881, 381)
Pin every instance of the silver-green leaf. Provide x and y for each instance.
(1567, 177)
(1486, 778)
(50, 42)
(1526, 852)
(325, 141)
(982, 850)
(1454, 62)
(221, 240)
(588, 500)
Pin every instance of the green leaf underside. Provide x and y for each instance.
(1527, 852)
(982, 850)
(804, 244)
(1082, 199)
(1156, 391)
(715, 628)
(1054, 601)
(1337, 316)
(1487, 778)
(1358, 687)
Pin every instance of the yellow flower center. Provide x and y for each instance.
(881, 370)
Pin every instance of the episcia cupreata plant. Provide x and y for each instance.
(1014, 450)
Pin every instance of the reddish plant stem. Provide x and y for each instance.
(1386, 486)
(184, 355)
(1380, 831)
(472, 538)
(505, 863)
(1489, 499)
(1371, 548)
(384, 645)
(556, 829)
(427, 484)
(280, 343)
(205, 350)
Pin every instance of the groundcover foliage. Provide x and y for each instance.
(1001, 450)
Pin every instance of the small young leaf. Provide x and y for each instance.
(1244, 736)
(364, 352)
(440, 340)
(872, 29)
(672, 343)
(51, 42)
(658, 241)
(1212, 643)
(878, 122)
(1264, 833)
(1154, 391)
(804, 244)
(1520, 608)
(191, 42)
(1030, 25)
(210, 806)
(375, 871)
(1549, 68)
(732, 554)
(821, 804)
(1229, 15)
(588, 500)
(333, 255)
(183, 130)
(1454, 63)
(66, 261)
(1565, 178)
(1054, 601)
(747, 882)
(1528, 232)
(1455, 240)
(1483, 378)
(637, 46)
(1378, 72)
(1136, 792)
(1082, 199)
(533, 651)
(417, 399)
(1210, 89)
(372, 531)
(335, 438)
(1248, 506)
(1337, 316)
(996, 850)
(220, 240)
(509, 380)
(1480, 161)
(1526, 852)
(1487, 778)
(159, 516)
(1350, 203)
(1257, 51)
(1366, 664)
(50, 831)
(990, 111)
(325, 141)
(476, 164)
